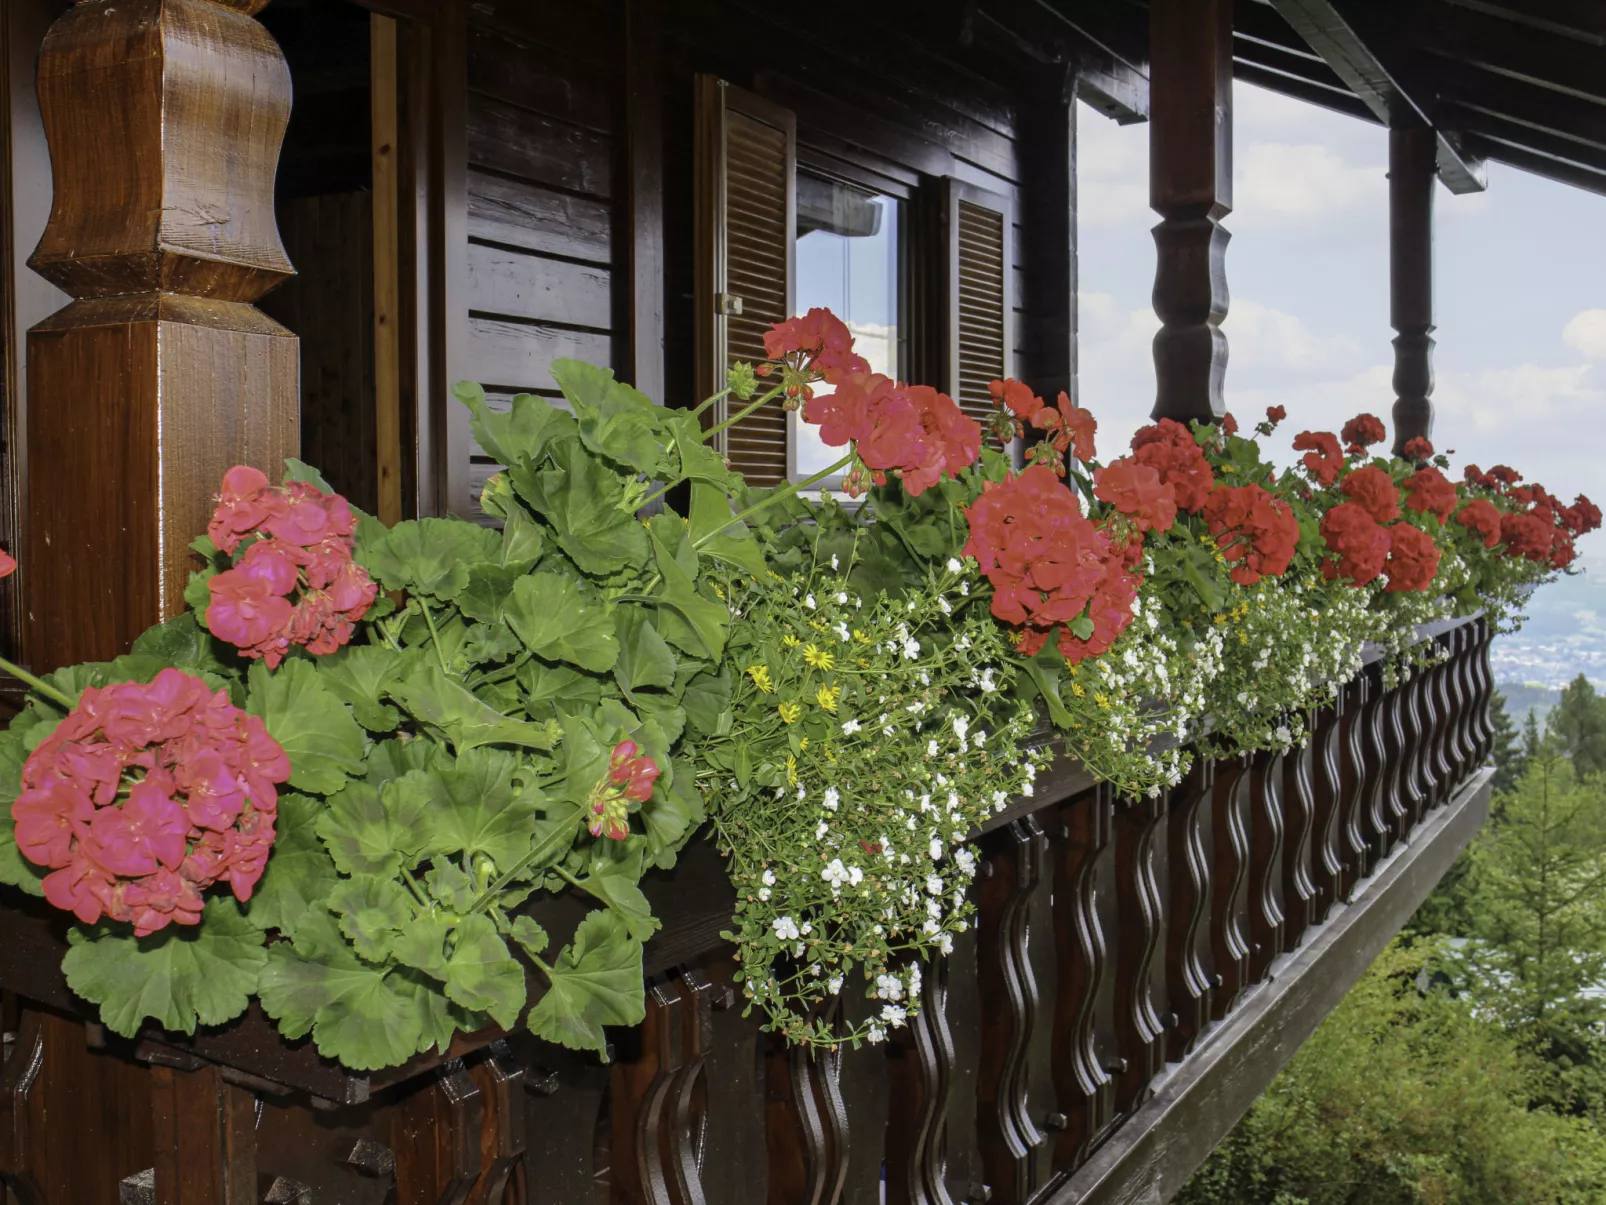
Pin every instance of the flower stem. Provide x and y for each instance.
(740, 414)
(785, 491)
(560, 837)
(37, 684)
(709, 401)
(434, 636)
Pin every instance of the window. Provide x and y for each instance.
(850, 259)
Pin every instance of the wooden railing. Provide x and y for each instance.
(1128, 955)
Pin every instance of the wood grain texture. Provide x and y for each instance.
(1189, 958)
(920, 1059)
(1266, 854)
(436, 1136)
(1299, 841)
(1140, 878)
(1230, 883)
(1327, 862)
(204, 1138)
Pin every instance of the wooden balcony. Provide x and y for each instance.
(1139, 971)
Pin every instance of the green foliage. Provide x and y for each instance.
(1405, 1096)
(1578, 721)
(1507, 754)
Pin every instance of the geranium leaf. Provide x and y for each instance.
(488, 588)
(671, 815)
(430, 556)
(560, 621)
(439, 1019)
(321, 739)
(474, 806)
(615, 420)
(615, 880)
(482, 975)
(300, 470)
(644, 657)
(392, 759)
(355, 1014)
(707, 700)
(182, 643)
(374, 831)
(595, 981)
(530, 936)
(16, 870)
(183, 976)
(300, 873)
(697, 460)
(685, 618)
(468, 723)
(582, 499)
(664, 712)
(549, 688)
(450, 887)
(358, 674)
(489, 643)
(523, 540)
(372, 913)
(585, 758)
(522, 433)
(422, 945)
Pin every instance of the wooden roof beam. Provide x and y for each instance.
(1330, 33)
(1110, 76)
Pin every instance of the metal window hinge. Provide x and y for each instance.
(727, 303)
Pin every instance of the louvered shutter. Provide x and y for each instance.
(746, 214)
(979, 334)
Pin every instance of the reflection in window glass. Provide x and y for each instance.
(848, 260)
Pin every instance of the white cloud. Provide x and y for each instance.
(1586, 334)
(1261, 339)
(1304, 181)
(1112, 173)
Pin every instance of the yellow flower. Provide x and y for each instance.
(803, 743)
(1243, 638)
(829, 696)
(761, 678)
(718, 593)
(1221, 619)
(1078, 690)
(818, 658)
(791, 770)
(1102, 700)
(789, 640)
(861, 637)
(789, 711)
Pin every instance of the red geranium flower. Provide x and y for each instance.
(1276, 414)
(910, 430)
(1229, 425)
(1073, 427)
(1362, 431)
(1358, 540)
(1526, 535)
(1417, 448)
(145, 796)
(815, 346)
(1256, 532)
(1582, 517)
(1431, 491)
(1323, 457)
(1481, 516)
(1413, 559)
(1374, 490)
(1169, 448)
(1503, 474)
(1136, 490)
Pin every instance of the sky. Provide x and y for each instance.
(1520, 295)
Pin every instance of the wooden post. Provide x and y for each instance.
(1412, 166)
(1190, 187)
(164, 119)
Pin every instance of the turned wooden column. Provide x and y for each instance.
(1190, 187)
(164, 119)
(1412, 168)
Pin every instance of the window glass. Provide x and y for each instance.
(850, 260)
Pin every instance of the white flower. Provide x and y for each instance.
(914, 980)
(911, 649)
(934, 884)
(829, 803)
(785, 928)
(953, 565)
(833, 560)
(855, 876)
(945, 943)
(842, 597)
(888, 987)
(944, 607)
(961, 726)
(934, 909)
(842, 632)
(808, 601)
(931, 748)
(930, 927)
(764, 894)
(849, 728)
(835, 874)
(936, 849)
(802, 791)
(769, 878)
(1000, 800)
(966, 860)
(894, 1014)
(875, 1034)
(821, 830)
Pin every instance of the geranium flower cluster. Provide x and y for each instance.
(1529, 520)
(849, 855)
(911, 432)
(1050, 566)
(144, 796)
(630, 777)
(296, 582)
(1066, 427)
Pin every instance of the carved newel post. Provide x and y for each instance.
(164, 119)
(1190, 187)
(1412, 170)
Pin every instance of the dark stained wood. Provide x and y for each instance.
(1140, 987)
(1299, 820)
(1411, 173)
(436, 1135)
(167, 205)
(203, 1139)
(1189, 960)
(386, 159)
(1190, 187)
(1230, 883)
(1327, 783)
(919, 1069)
(644, 131)
(504, 1131)
(1267, 854)
(807, 1132)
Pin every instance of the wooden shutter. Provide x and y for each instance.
(979, 304)
(746, 214)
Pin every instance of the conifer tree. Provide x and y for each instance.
(1507, 754)
(1579, 723)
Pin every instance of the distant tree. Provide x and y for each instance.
(1405, 1096)
(1579, 723)
(1507, 754)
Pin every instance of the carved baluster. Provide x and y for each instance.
(654, 1104)
(920, 1060)
(1380, 770)
(1189, 966)
(436, 1135)
(1443, 774)
(1461, 692)
(1399, 759)
(1326, 861)
(22, 1154)
(1357, 768)
(505, 1131)
(567, 1118)
(164, 119)
(1412, 737)
(1299, 820)
(1140, 856)
(1007, 1134)
(204, 1140)
(1265, 862)
(1485, 693)
(1229, 877)
(808, 1138)
(1081, 1082)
